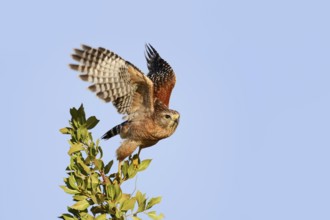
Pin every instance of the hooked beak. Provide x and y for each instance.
(176, 118)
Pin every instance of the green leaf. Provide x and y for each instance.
(83, 166)
(141, 199)
(73, 113)
(128, 204)
(124, 168)
(67, 217)
(80, 181)
(98, 164)
(119, 215)
(136, 218)
(111, 191)
(72, 163)
(78, 116)
(81, 205)
(73, 211)
(100, 197)
(112, 209)
(117, 191)
(91, 122)
(94, 200)
(93, 152)
(99, 149)
(82, 134)
(95, 182)
(97, 209)
(108, 167)
(139, 196)
(79, 197)
(101, 217)
(66, 130)
(81, 114)
(154, 201)
(154, 216)
(76, 147)
(86, 216)
(70, 191)
(72, 182)
(144, 165)
(132, 171)
(124, 197)
(97, 198)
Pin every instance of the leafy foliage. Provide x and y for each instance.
(96, 193)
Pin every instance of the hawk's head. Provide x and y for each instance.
(168, 120)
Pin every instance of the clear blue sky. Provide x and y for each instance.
(253, 90)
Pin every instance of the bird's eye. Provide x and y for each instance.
(167, 116)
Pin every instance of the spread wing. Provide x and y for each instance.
(114, 79)
(161, 74)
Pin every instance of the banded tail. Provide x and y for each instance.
(113, 131)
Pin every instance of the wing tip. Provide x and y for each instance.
(151, 52)
(76, 57)
(85, 47)
(84, 77)
(92, 88)
(78, 51)
(74, 66)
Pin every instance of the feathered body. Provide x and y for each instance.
(144, 100)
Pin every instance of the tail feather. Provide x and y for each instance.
(113, 131)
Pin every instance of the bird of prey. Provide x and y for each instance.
(143, 99)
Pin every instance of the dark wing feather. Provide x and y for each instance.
(114, 79)
(161, 74)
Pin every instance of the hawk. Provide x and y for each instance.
(143, 99)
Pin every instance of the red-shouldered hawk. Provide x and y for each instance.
(143, 99)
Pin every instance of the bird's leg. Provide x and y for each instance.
(119, 168)
(125, 150)
(139, 152)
